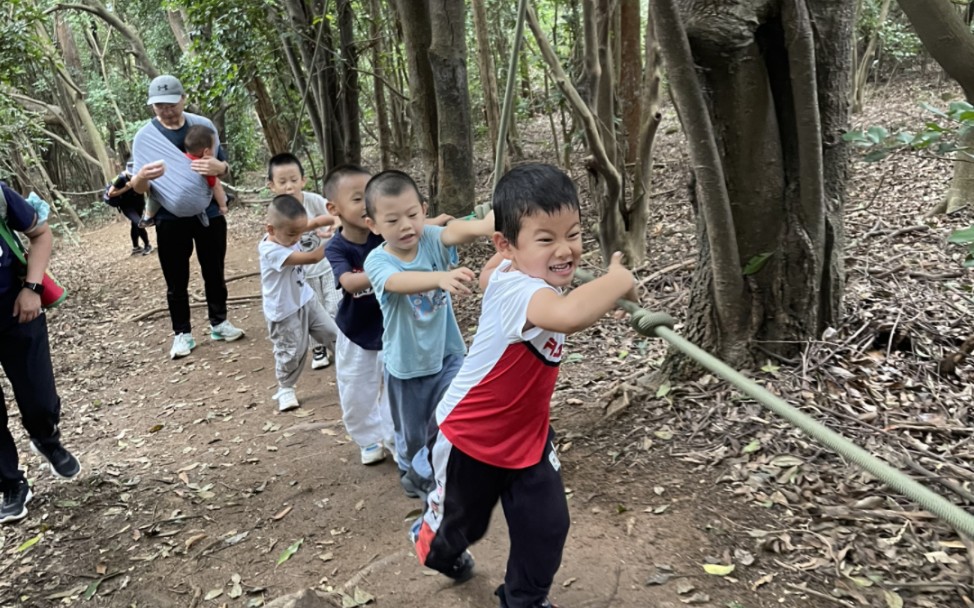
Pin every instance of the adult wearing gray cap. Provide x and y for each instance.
(185, 220)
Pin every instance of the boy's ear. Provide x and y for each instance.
(371, 225)
(330, 206)
(502, 245)
(270, 229)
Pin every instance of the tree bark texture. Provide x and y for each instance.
(448, 60)
(948, 39)
(414, 17)
(630, 74)
(267, 114)
(378, 88)
(488, 77)
(348, 91)
(776, 91)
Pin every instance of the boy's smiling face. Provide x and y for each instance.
(399, 220)
(349, 201)
(287, 179)
(548, 247)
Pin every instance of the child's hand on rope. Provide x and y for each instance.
(615, 265)
(453, 280)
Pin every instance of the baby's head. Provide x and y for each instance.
(285, 175)
(537, 219)
(345, 190)
(199, 141)
(287, 220)
(395, 210)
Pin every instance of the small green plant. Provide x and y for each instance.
(941, 136)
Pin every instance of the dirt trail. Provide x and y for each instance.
(191, 477)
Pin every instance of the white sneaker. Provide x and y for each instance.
(286, 399)
(390, 447)
(182, 345)
(373, 454)
(319, 358)
(226, 331)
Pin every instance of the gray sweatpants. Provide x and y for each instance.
(324, 287)
(290, 338)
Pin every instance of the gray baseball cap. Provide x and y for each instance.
(165, 89)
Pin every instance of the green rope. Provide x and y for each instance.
(661, 325)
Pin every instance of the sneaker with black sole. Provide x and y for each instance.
(136, 250)
(14, 505)
(319, 358)
(499, 592)
(63, 464)
(147, 250)
(462, 570)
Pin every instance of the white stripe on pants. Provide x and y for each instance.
(324, 287)
(365, 402)
(290, 337)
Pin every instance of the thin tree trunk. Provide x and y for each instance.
(268, 116)
(415, 20)
(348, 91)
(448, 60)
(488, 77)
(378, 87)
(630, 73)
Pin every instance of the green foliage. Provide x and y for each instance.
(942, 136)
(965, 237)
(896, 37)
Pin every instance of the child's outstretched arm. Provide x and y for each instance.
(461, 232)
(320, 221)
(418, 281)
(354, 282)
(584, 305)
(300, 258)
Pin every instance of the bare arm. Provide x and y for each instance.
(489, 268)
(354, 282)
(27, 306)
(462, 232)
(300, 258)
(320, 221)
(584, 305)
(420, 281)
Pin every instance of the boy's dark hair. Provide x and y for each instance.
(285, 206)
(198, 137)
(388, 183)
(336, 175)
(282, 160)
(529, 189)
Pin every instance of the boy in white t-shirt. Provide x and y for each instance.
(285, 175)
(290, 306)
(494, 441)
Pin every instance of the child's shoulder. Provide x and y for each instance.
(315, 203)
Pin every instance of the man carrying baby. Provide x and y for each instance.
(181, 224)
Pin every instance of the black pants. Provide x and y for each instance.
(134, 215)
(175, 244)
(534, 507)
(25, 355)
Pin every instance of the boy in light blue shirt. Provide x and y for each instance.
(413, 278)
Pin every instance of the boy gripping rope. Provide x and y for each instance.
(413, 281)
(494, 440)
(290, 307)
(285, 175)
(358, 350)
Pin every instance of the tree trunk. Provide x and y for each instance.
(448, 60)
(948, 39)
(414, 17)
(866, 61)
(348, 91)
(488, 77)
(178, 27)
(630, 73)
(268, 116)
(777, 95)
(378, 88)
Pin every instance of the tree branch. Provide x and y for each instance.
(725, 258)
(604, 165)
(99, 10)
